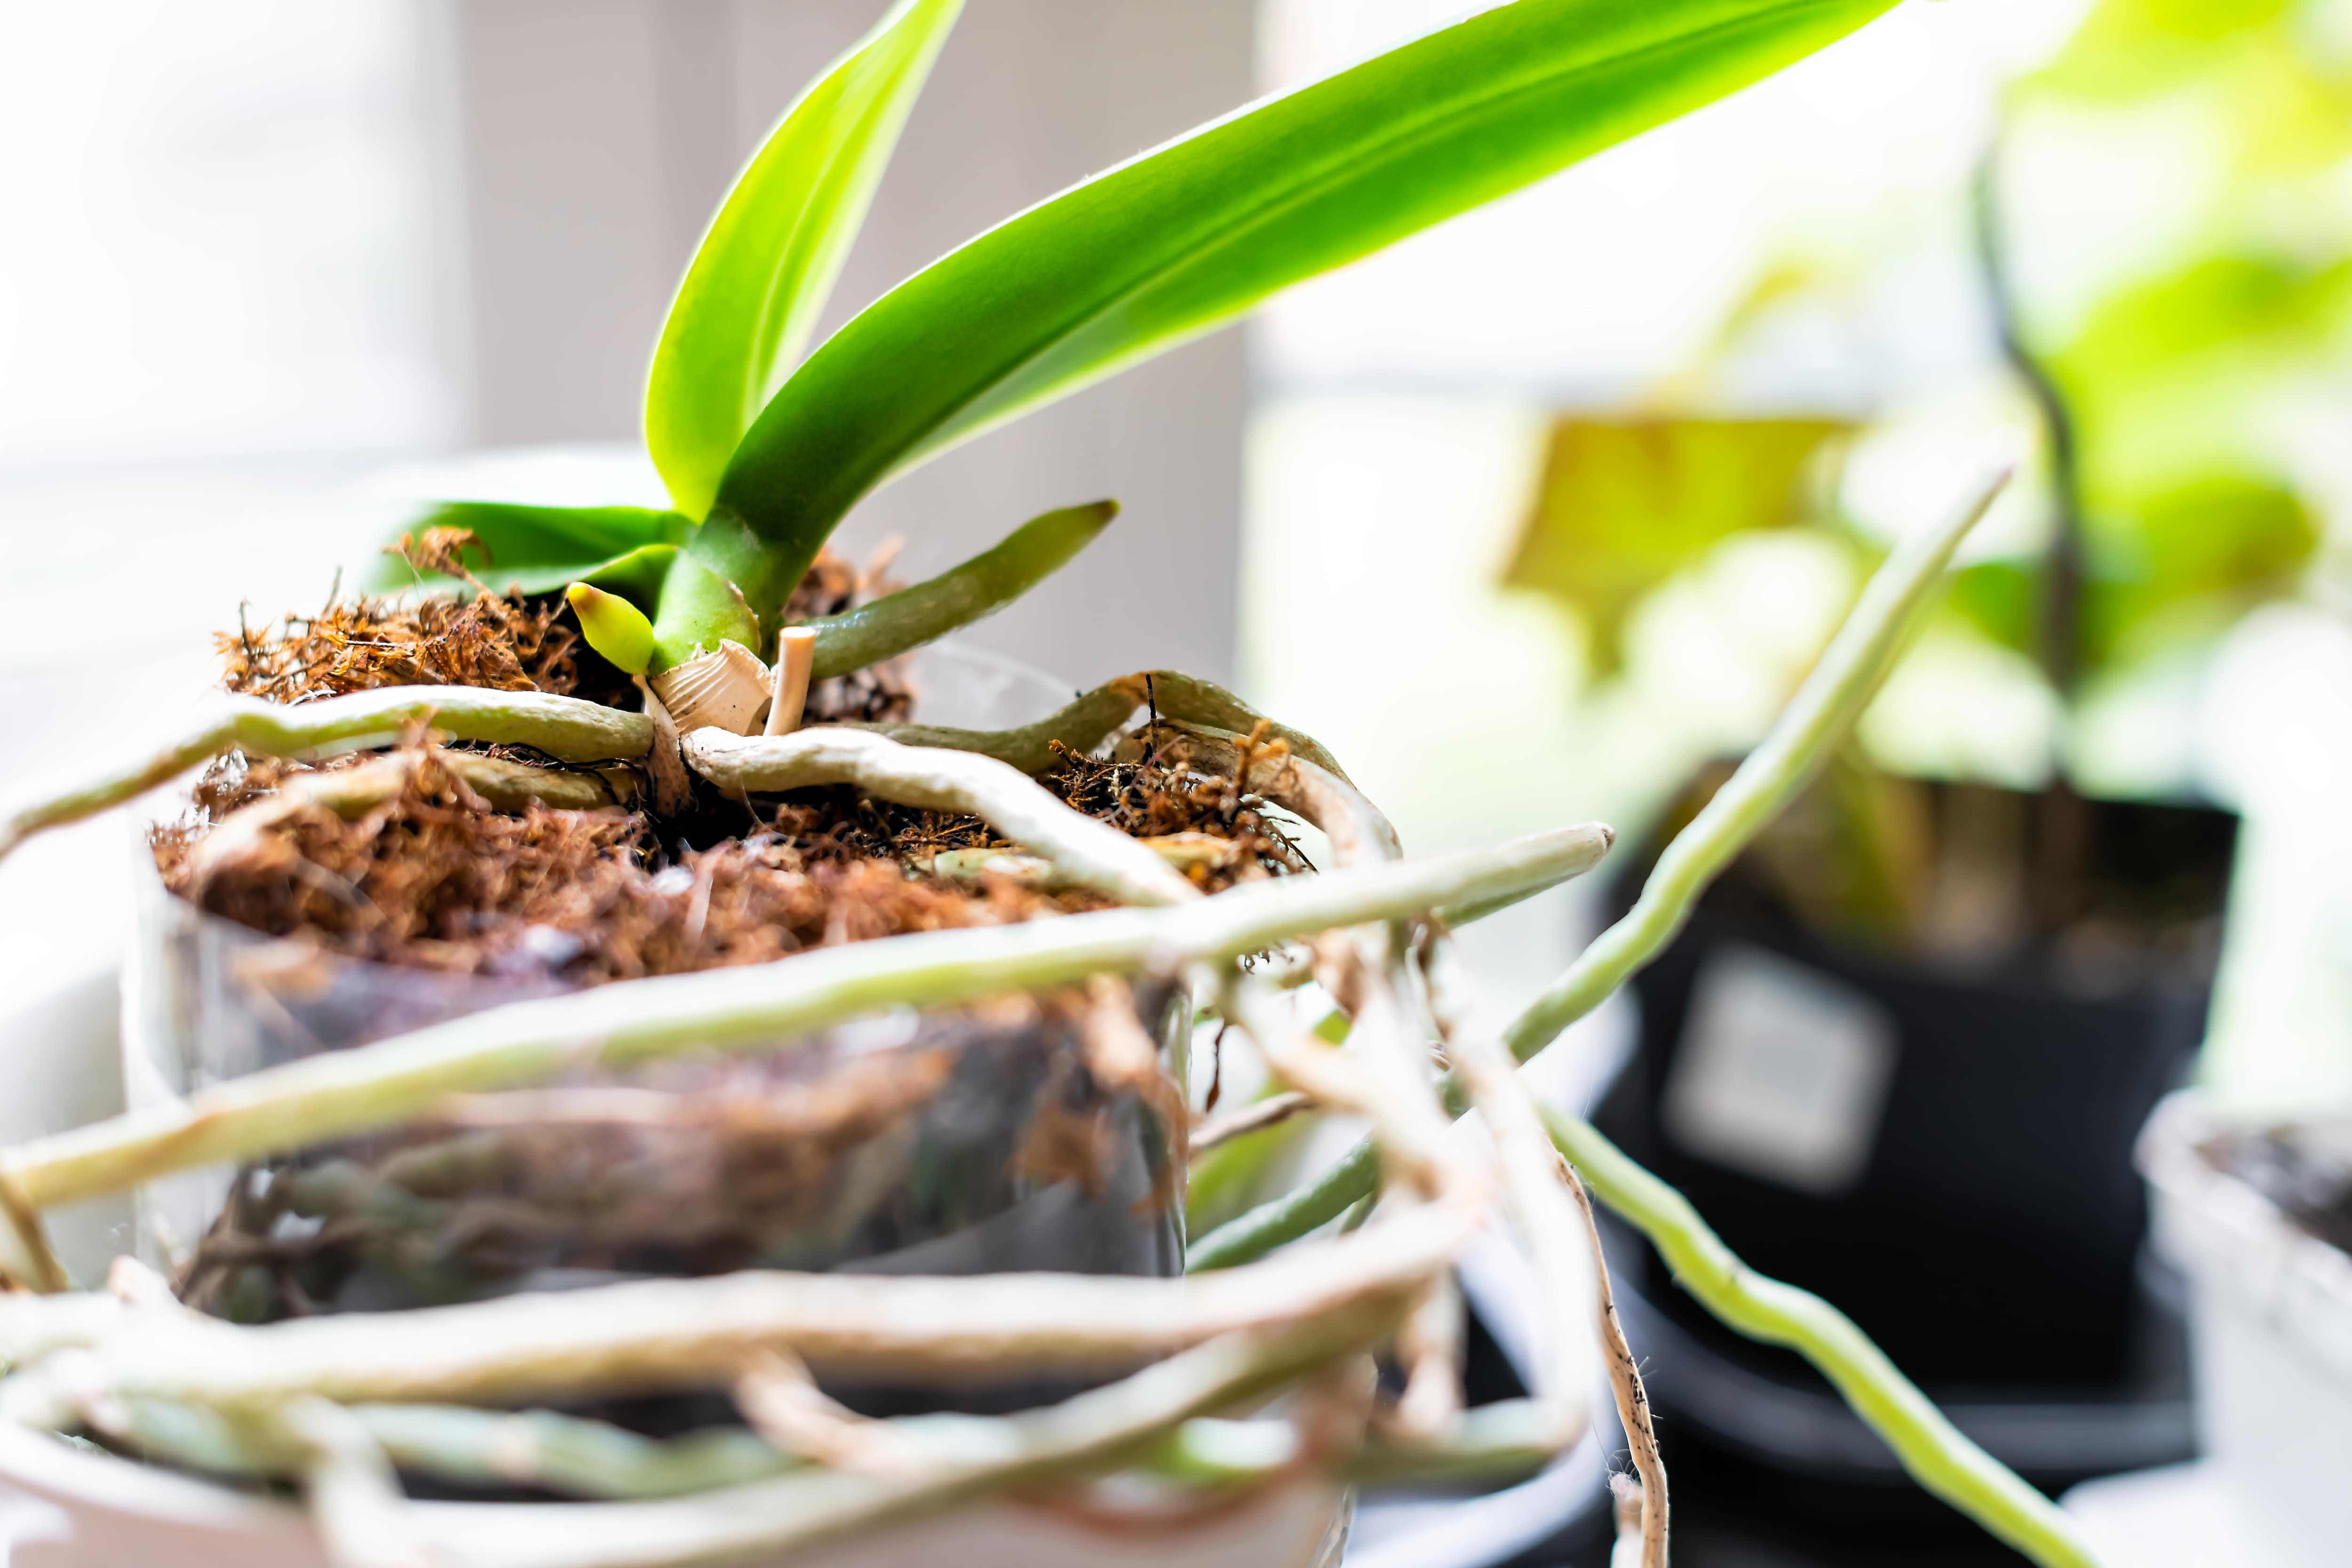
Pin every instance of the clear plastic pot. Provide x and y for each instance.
(969, 1141)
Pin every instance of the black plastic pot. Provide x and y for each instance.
(1942, 1150)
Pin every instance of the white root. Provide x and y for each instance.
(780, 1400)
(1429, 1347)
(565, 728)
(1627, 1511)
(1408, 1122)
(960, 1459)
(1089, 852)
(1540, 1207)
(700, 1333)
(25, 1257)
(1184, 851)
(1327, 1076)
(136, 1285)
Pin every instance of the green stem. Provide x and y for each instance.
(564, 728)
(1189, 699)
(379, 1085)
(1285, 1219)
(1816, 720)
(1080, 726)
(960, 595)
(718, 574)
(1930, 1447)
(2058, 630)
(1507, 1438)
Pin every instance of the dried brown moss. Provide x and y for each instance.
(435, 879)
(511, 642)
(360, 644)
(1159, 792)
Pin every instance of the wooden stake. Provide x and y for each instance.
(795, 656)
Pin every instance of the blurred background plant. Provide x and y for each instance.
(2186, 380)
(1907, 1044)
(2121, 229)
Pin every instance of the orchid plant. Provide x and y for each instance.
(764, 451)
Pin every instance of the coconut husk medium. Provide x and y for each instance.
(511, 641)
(813, 1154)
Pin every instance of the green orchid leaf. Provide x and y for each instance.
(955, 598)
(547, 545)
(635, 575)
(1186, 238)
(1625, 504)
(751, 296)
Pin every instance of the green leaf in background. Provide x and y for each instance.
(751, 296)
(2181, 566)
(2179, 379)
(2129, 49)
(1626, 503)
(1186, 238)
(2000, 599)
(2218, 303)
(2192, 561)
